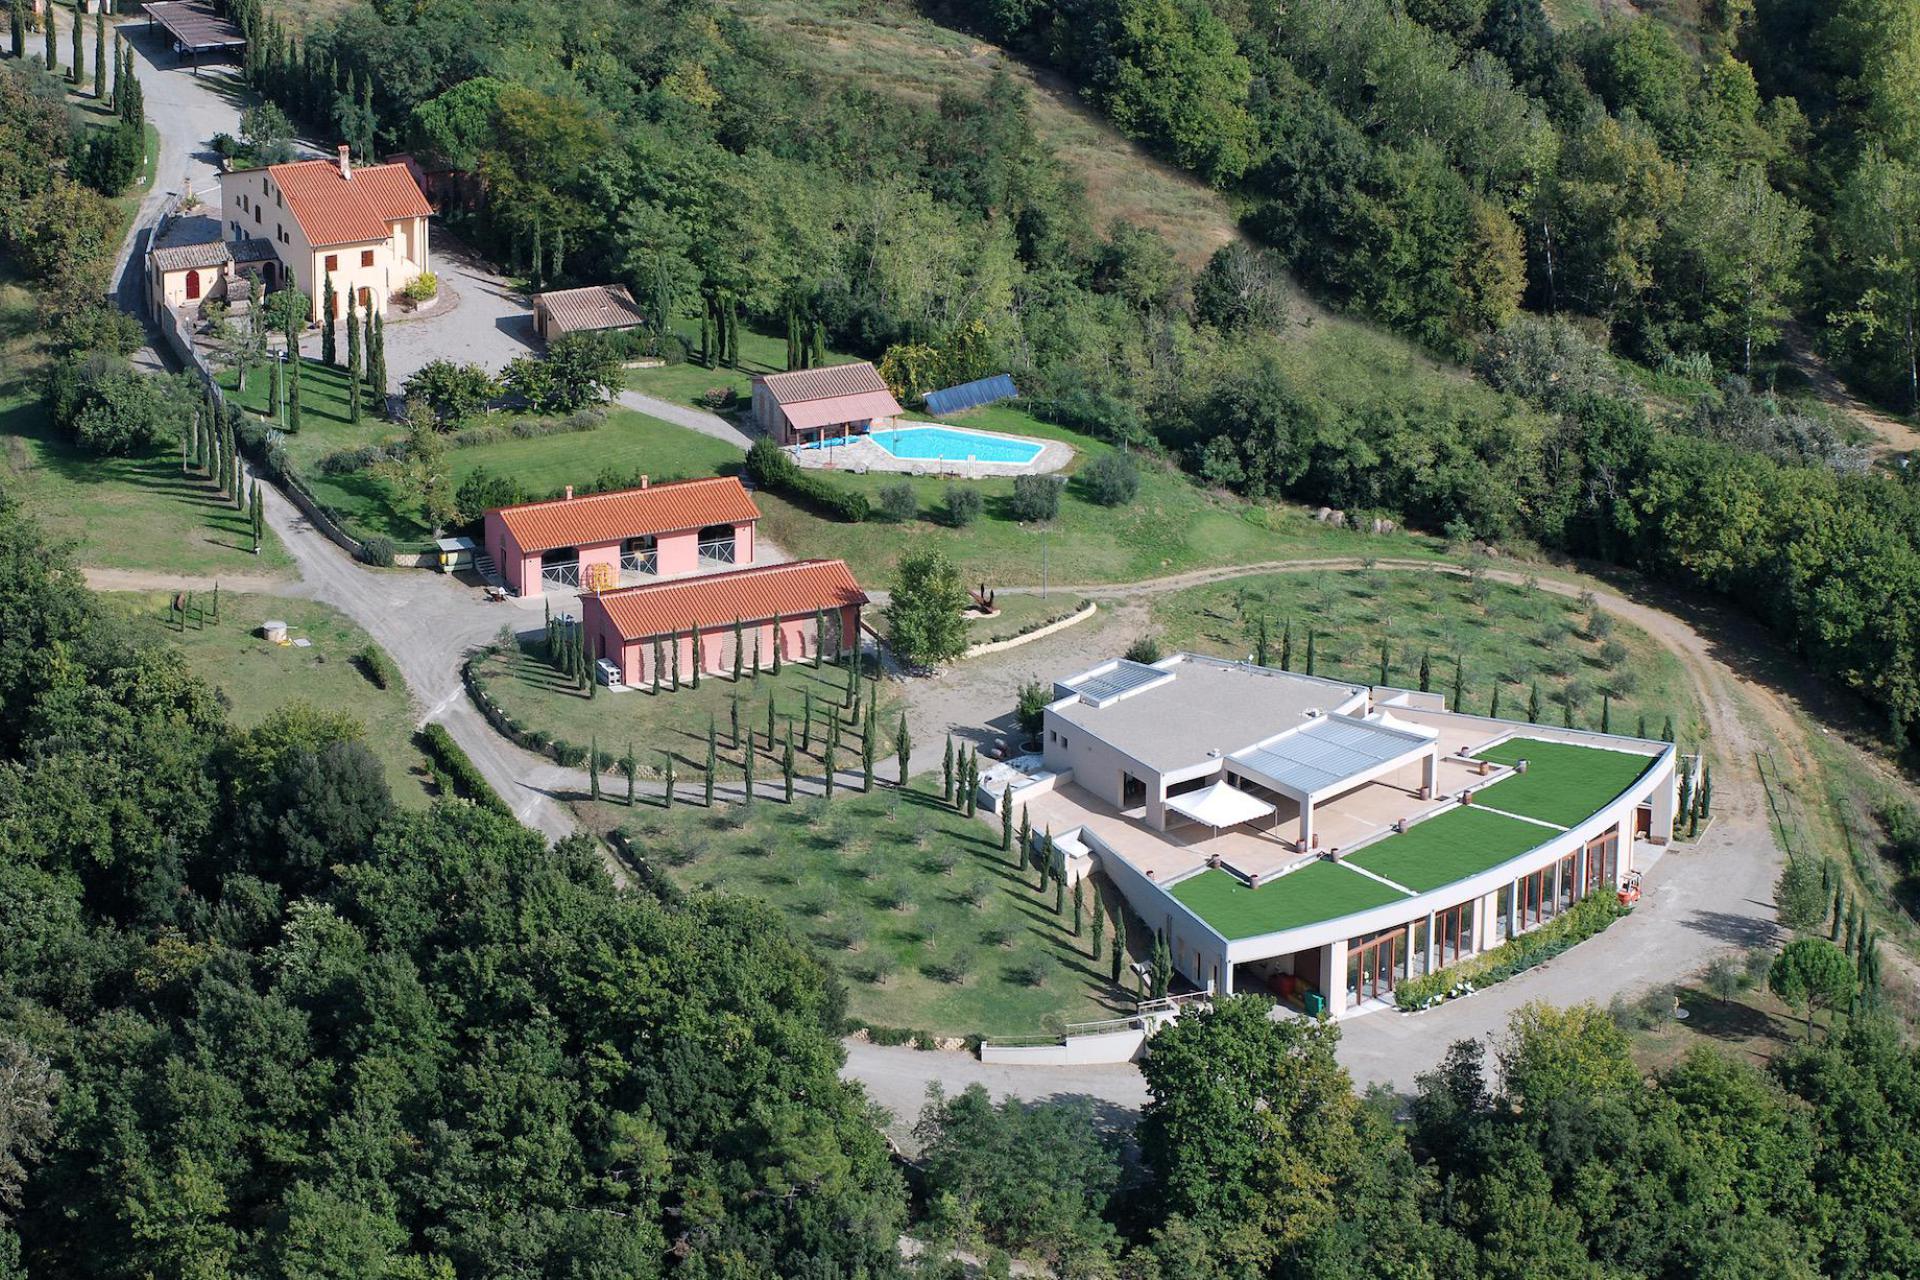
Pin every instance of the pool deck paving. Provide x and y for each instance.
(860, 455)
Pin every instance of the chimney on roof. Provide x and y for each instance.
(346, 165)
(569, 497)
(643, 482)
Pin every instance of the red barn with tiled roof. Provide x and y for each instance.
(658, 530)
(800, 608)
(808, 404)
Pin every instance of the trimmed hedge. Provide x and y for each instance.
(453, 767)
(769, 467)
(1585, 918)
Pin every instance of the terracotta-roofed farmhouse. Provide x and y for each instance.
(600, 308)
(775, 605)
(657, 530)
(365, 226)
(811, 404)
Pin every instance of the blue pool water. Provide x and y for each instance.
(946, 444)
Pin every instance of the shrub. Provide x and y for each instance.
(1516, 955)
(1036, 498)
(453, 764)
(1033, 701)
(1144, 650)
(1111, 479)
(769, 466)
(422, 287)
(963, 506)
(377, 552)
(1613, 653)
(373, 661)
(897, 502)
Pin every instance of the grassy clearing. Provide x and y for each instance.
(623, 443)
(1317, 891)
(257, 678)
(1449, 847)
(138, 512)
(1507, 636)
(688, 383)
(1171, 526)
(1021, 614)
(888, 47)
(1564, 784)
(542, 701)
(930, 924)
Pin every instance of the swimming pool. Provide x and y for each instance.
(945, 444)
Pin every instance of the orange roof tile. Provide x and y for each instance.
(716, 599)
(335, 210)
(600, 518)
(800, 385)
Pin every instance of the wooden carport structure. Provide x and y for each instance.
(196, 27)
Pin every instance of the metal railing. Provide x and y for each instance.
(561, 575)
(640, 562)
(718, 552)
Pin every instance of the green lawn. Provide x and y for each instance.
(1318, 891)
(1507, 636)
(1019, 614)
(138, 512)
(1173, 525)
(931, 926)
(541, 700)
(625, 442)
(688, 382)
(1449, 847)
(1564, 784)
(257, 678)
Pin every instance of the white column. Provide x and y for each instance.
(1306, 822)
(1333, 967)
(1430, 771)
(1666, 801)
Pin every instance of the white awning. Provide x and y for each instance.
(1219, 806)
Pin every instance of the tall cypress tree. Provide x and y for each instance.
(713, 758)
(17, 23)
(53, 53)
(329, 325)
(100, 55)
(78, 72)
(786, 764)
(353, 360)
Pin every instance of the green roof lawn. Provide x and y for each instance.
(1563, 784)
(1451, 846)
(1317, 891)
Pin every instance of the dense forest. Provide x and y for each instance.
(257, 1021)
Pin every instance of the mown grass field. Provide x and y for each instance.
(139, 512)
(257, 678)
(1507, 637)
(542, 700)
(930, 924)
(623, 443)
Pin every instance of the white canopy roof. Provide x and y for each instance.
(1219, 806)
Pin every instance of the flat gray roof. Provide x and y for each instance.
(1327, 752)
(1208, 706)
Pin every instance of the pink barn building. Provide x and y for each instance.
(774, 604)
(605, 539)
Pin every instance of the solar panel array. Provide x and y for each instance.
(1125, 677)
(970, 395)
